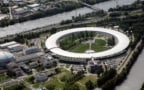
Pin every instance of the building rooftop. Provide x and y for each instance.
(121, 44)
(33, 5)
(14, 45)
(31, 50)
(6, 56)
(29, 57)
(7, 44)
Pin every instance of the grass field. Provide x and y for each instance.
(79, 48)
(82, 82)
(98, 46)
(3, 78)
(57, 82)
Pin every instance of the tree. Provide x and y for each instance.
(15, 87)
(106, 76)
(57, 70)
(30, 79)
(111, 41)
(53, 30)
(89, 85)
(50, 87)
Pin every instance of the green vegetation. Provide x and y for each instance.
(16, 87)
(54, 81)
(50, 87)
(89, 85)
(106, 76)
(75, 39)
(3, 78)
(111, 41)
(4, 9)
(71, 87)
(82, 82)
(130, 18)
(118, 79)
(77, 81)
(61, 7)
(65, 80)
(30, 79)
(93, 1)
(79, 48)
(99, 45)
(92, 78)
(92, 15)
(132, 22)
(78, 42)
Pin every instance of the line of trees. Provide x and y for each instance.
(99, 13)
(70, 82)
(137, 5)
(20, 86)
(93, 1)
(62, 7)
(106, 76)
(89, 85)
(118, 79)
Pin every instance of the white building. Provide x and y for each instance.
(5, 45)
(34, 7)
(121, 40)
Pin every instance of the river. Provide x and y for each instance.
(135, 78)
(29, 25)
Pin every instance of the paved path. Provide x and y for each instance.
(128, 58)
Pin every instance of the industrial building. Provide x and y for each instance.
(5, 45)
(15, 48)
(31, 50)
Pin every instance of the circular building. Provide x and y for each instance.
(5, 57)
(121, 43)
(41, 77)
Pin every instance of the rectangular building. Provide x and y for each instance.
(16, 48)
(5, 45)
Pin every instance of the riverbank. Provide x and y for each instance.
(67, 6)
(118, 79)
(42, 22)
(135, 78)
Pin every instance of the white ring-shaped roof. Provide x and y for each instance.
(122, 43)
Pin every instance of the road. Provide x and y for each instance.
(127, 58)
